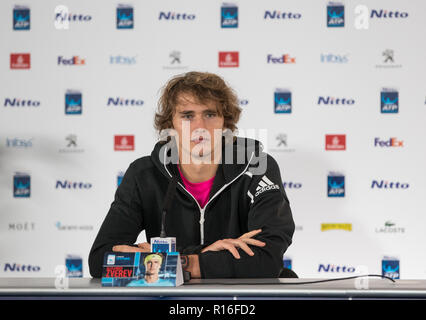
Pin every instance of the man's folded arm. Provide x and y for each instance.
(269, 211)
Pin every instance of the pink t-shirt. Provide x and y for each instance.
(199, 190)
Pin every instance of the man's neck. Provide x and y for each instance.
(198, 172)
(151, 278)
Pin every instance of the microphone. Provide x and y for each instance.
(171, 190)
(163, 243)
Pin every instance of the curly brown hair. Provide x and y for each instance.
(203, 86)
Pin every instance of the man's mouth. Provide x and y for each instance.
(199, 139)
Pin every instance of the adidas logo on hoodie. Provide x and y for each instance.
(264, 185)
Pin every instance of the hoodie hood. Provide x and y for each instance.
(237, 156)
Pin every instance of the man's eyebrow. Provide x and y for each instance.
(209, 110)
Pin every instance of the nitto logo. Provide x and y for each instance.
(65, 184)
(335, 268)
(292, 185)
(335, 101)
(14, 102)
(65, 16)
(118, 101)
(20, 268)
(175, 16)
(382, 184)
(387, 14)
(281, 15)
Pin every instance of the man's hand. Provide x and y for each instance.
(142, 247)
(232, 244)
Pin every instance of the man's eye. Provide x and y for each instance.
(211, 115)
(187, 116)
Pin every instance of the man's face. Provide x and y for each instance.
(153, 266)
(199, 127)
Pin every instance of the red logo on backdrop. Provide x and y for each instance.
(124, 143)
(229, 59)
(335, 142)
(20, 61)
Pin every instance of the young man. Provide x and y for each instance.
(152, 263)
(230, 214)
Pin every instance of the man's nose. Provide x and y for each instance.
(198, 123)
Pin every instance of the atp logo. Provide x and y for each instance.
(229, 16)
(389, 101)
(390, 268)
(73, 103)
(21, 18)
(125, 17)
(335, 15)
(21, 185)
(282, 101)
(335, 185)
(74, 266)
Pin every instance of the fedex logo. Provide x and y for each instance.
(285, 58)
(391, 142)
(73, 61)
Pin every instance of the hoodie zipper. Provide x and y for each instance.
(203, 210)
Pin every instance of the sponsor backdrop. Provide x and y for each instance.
(335, 91)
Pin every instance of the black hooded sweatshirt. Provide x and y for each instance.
(247, 194)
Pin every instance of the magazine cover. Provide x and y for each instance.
(142, 269)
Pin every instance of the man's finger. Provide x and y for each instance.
(241, 244)
(145, 246)
(250, 234)
(124, 248)
(231, 248)
(254, 242)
